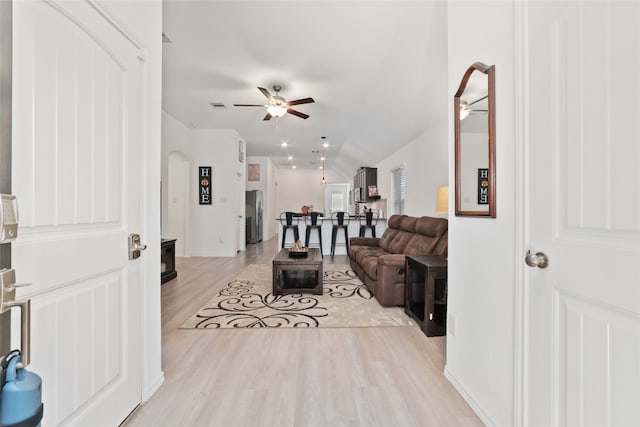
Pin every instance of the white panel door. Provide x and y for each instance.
(584, 213)
(336, 198)
(76, 159)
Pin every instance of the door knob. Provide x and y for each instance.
(135, 246)
(539, 259)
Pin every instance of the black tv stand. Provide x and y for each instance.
(167, 260)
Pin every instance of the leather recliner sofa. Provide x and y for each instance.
(380, 262)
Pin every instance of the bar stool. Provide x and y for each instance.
(313, 222)
(288, 221)
(339, 220)
(369, 220)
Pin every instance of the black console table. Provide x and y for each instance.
(167, 260)
(426, 292)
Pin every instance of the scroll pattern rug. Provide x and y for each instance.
(247, 302)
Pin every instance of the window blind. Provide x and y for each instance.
(398, 183)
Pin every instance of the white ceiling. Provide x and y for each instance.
(376, 69)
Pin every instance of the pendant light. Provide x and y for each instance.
(324, 144)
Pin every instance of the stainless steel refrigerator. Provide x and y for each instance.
(253, 215)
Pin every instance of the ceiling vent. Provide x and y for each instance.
(218, 105)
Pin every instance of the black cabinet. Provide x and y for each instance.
(426, 292)
(365, 177)
(167, 260)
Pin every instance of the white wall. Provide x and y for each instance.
(298, 187)
(480, 355)
(212, 228)
(143, 21)
(425, 160)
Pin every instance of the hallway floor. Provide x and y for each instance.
(388, 376)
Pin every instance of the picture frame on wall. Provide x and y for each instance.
(253, 172)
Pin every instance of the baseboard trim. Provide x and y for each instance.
(154, 388)
(467, 397)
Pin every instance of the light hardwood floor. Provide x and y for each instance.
(390, 376)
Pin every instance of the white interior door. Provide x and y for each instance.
(584, 180)
(77, 143)
(336, 198)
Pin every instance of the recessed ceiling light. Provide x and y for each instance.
(284, 143)
(290, 158)
(322, 158)
(293, 166)
(325, 145)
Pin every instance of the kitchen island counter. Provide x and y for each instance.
(353, 230)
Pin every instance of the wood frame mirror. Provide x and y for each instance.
(475, 143)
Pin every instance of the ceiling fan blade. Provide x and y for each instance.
(478, 100)
(301, 101)
(266, 93)
(297, 113)
(267, 117)
(248, 105)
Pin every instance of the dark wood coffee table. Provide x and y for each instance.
(297, 275)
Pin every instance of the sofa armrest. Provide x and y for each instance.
(364, 241)
(390, 279)
(391, 268)
(392, 260)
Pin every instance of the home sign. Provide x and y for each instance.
(204, 185)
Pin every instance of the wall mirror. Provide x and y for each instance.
(475, 143)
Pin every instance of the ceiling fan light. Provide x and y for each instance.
(276, 110)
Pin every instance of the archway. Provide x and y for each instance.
(178, 201)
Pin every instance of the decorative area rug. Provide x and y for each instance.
(247, 302)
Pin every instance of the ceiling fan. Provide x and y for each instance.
(278, 106)
(465, 107)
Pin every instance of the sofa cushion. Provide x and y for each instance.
(399, 242)
(409, 224)
(394, 221)
(432, 227)
(389, 235)
(420, 245)
(370, 266)
(428, 233)
(443, 245)
(388, 238)
(366, 252)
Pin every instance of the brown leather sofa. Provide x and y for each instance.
(379, 262)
